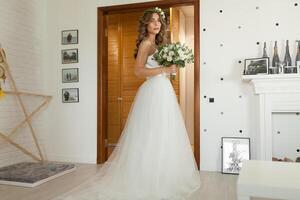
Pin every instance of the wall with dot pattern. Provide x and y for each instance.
(232, 31)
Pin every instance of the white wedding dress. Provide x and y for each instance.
(154, 158)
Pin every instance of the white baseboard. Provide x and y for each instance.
(75, 159)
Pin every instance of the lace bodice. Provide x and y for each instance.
(151, 62)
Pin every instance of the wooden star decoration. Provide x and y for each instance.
(28, 115)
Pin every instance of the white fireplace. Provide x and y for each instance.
(278, 93)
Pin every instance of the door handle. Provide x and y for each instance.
(110, 144)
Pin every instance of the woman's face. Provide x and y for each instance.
(154, 24)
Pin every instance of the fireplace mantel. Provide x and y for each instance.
(275, 83)
(278, 93)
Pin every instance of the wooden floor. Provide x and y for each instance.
(214, 186)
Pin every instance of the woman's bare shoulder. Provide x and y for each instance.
(145, 47)
(146, 43)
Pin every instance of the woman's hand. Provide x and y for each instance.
(171, 69)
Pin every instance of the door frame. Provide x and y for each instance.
(102, 72)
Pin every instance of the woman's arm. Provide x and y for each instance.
(141, 59)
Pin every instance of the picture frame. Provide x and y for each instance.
(69, 56)
(255, 66)
(70, 95)
(69, 37)
(234, 151)
(70, 75)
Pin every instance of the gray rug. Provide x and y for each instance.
(30, 174)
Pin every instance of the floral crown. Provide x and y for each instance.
(158, 11)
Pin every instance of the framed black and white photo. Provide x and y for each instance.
(70, 75)
(70, 95)
(69, 56)
(234, 151)
(69, 37)
(256, 66)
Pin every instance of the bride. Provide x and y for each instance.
(153, 159)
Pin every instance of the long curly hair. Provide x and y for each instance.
(142, 29)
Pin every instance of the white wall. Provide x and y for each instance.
(72, 136)
(21, 35)
(72, 127)
(232, 97)
(239, 27)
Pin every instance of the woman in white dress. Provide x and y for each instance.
(153, 159)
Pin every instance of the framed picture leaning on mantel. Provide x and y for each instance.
(255, 66)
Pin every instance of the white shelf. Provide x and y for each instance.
(271, 76)
(274, 83)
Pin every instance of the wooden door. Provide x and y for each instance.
(122, 82)
(130, 82)
(113, 81)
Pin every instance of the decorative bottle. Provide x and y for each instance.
(265, 55)
(287, 62)
(276, 60)
(297, 60)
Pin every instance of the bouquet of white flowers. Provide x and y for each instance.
(174, 53)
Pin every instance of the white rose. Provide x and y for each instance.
(169, 58)
(181, 54)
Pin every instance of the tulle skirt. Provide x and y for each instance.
(153, 159)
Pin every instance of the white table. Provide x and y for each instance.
(267, 179)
